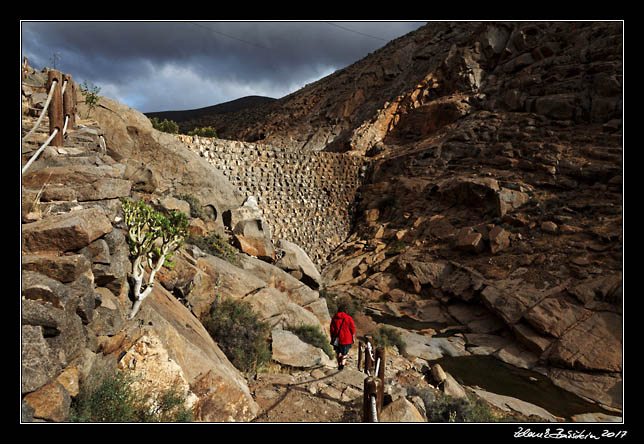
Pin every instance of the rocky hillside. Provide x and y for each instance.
(495, 203)
(489, 230)
(76, 286)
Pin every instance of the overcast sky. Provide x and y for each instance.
(163, 66)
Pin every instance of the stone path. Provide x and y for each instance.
(322, 394)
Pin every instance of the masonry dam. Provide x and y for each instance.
(307, 197)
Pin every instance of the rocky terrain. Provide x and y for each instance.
(489, 226)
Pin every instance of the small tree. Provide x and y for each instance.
(91, 96)
(152, 237)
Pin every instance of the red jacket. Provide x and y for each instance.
(345, 330)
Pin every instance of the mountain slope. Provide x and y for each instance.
(196, 114)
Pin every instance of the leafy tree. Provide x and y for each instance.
(152, 237)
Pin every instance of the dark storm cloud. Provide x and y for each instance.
(155, 66)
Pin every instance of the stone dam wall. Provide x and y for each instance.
(306, 197)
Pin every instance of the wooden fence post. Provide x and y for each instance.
(56, 118)
(369, 362)
(69, 102)
(360, 350)
(372, 387)
(380, 354)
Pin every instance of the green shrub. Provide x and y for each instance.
(345, 303)
(195, 205)
(215, 245)
(239, 333)
(110, 397)
(311, 334)
(386, 336)
(205, 131)
(449, 409)
(167, 126)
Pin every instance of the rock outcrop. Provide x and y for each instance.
(75, 266)
(506, 211)
(489, 220)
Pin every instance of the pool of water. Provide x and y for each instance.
(496, 376)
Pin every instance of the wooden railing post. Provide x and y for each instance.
(69, 102)
(56, 118)
(373, 387)
(380, 355)
(369, 362)
(360, 351)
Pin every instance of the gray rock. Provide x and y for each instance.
(431, 349)
(296, 260)
(65, 232)
(596, 417)
(288, 349)
(510, 404)
(273, 276)
(400, 410)
(61, 268)
(109, 318)
(39, 362)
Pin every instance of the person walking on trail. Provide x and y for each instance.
(343, 331)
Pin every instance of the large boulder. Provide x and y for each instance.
(510, 404)
(277, 278)
(160, 160)
(594, 344)
(79, 182)
(401, 410)
(65, 232)
(39, 362)
(48, 304)
(221, 392)
(290, 350)
(251, 234)
(156, 372)
(297, 263)
(431, 349)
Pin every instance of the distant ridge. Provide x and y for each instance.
(222, 108)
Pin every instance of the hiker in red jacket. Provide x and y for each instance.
(343, 331)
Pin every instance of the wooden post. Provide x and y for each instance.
(56, 118)
(380, 354)
(69, 102)
(369, 362)
(360, 350)
(372, 387)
